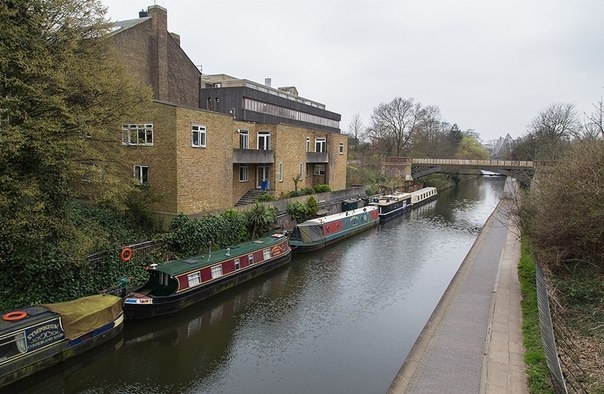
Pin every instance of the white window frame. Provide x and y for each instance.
(320, 144)
(244, 139)
(308, 144)
(201, 133)
(266, 254)
(237, 263)
(250, 259)
(300, 169)
(266, 137)
(138, 134)
(243, 173)
(141, 174)
(194, 279)
(319, 169)
(216, 271)
(280, 171)
(341, 148)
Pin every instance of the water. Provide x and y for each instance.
(341, 320)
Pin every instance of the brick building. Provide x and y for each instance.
(213, 138)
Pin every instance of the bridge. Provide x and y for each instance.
(412, 168)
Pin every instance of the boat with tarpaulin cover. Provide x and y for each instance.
(37, 337)
(318, 233)
(176, 284)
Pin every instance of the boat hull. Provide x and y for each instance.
(166, 305)
(44, 343)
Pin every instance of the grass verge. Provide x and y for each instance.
(534, 356)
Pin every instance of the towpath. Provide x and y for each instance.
(472, 342)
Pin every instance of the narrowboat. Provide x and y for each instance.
(422, 196)
(40, 336)
(317, 233)
(391, 205)
(176, 284)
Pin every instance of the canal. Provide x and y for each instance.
(341, 320)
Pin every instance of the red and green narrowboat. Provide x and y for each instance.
(317, 233)
(176, 284)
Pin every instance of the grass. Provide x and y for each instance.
(534, 356)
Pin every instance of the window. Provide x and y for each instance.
(164, 279)
(12, 345)
(264, 140)
(250, 259)
(194, 279)
(266, 254)
(216, 271)
(308, 144)
(217, 100)
(137, 134)
(237, 263)
(281, 171)
(300, 167)
(243, 174)
(319, 144)
(341, 148)
(210, 104)
(307, 169)
(141, 173)
(319, 169)
(198, 136)
(244, 139)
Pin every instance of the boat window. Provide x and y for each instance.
(163, 279)
(216, 271)
(266, 254)
(12, 345)
(250, 258)
(194, 279)
(237, 263)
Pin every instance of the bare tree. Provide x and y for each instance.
(594, 125)
(394, 124)
(356, 129)
(553, 128)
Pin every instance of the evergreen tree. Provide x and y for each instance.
(62, 97)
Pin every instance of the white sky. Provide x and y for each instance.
(490, 66)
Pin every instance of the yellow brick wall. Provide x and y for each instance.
(194, 180)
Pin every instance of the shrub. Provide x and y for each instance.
(322, 188)
(297, 210)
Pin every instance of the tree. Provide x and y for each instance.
(62, 97)
(393, 125)
(356, 129)
(471, 148)
(553, 128)
(594, 125)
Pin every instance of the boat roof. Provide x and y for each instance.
(337, 216)
(176, 267)
(423, 190)
(35, 314)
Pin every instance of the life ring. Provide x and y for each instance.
(14, 316)
(126, 254)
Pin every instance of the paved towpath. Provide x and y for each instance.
(472, 343)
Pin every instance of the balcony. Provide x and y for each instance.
(317, 157)
(253, 156)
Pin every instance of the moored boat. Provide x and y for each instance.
(423, 195)
(176, 284)
(391, 205)
(40, 336)
(317, 233)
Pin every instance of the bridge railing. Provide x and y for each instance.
(486, 163)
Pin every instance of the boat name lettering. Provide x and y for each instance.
(43, 334)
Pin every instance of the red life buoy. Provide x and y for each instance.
(14, 316)
(126, 254)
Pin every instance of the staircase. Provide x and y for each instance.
(249, 197)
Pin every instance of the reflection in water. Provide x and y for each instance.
(338, 320)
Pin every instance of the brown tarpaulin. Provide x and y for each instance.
(85, 314)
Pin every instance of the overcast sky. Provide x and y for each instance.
(490, 66)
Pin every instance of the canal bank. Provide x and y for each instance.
(472, 342)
